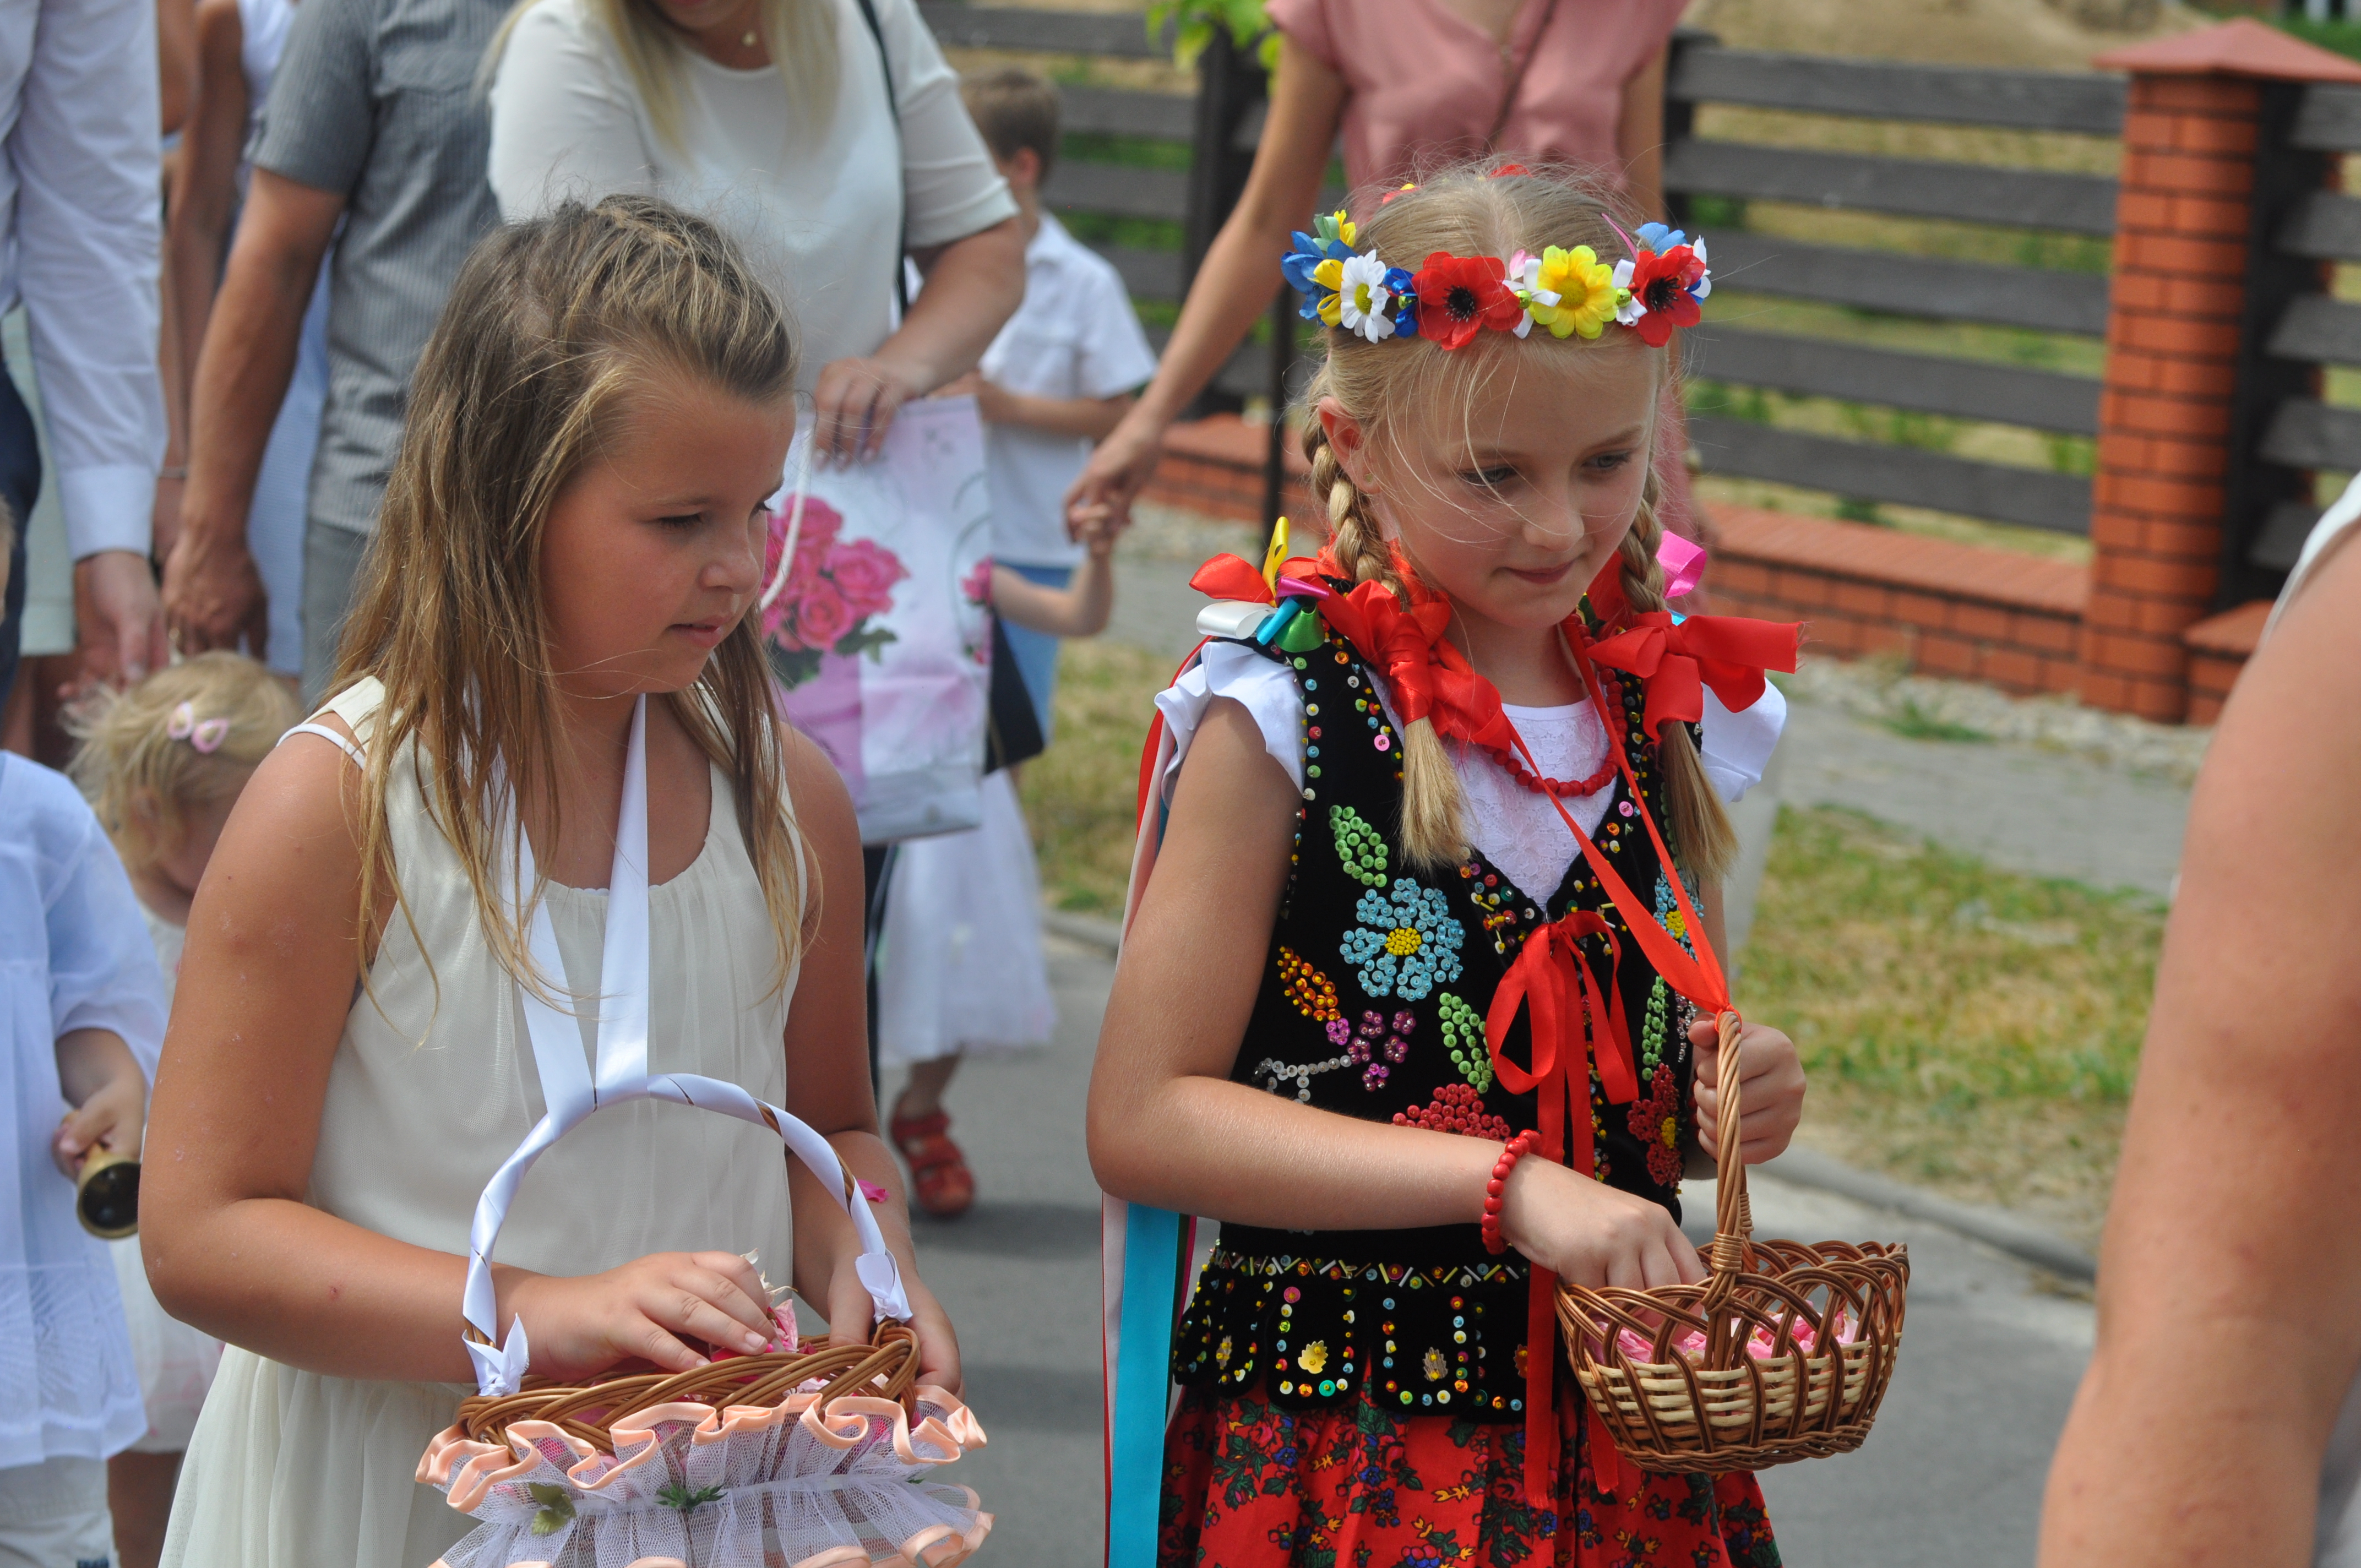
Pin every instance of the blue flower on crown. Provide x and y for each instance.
(1331, 240)
(1406, 942)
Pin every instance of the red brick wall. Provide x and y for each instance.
(1946, 609)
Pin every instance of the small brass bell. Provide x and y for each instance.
(106, 1194)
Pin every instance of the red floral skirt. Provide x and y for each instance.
(1246, 1486)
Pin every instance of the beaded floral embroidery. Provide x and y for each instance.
(1313, 993)
(1655, 1121)
(1360, 847)
(1406, 943)
(1372, 1040)
(1462, 1038)
(1456, 1107)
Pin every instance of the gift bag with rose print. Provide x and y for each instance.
(875, 627)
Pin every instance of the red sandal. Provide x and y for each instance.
(939, 1178)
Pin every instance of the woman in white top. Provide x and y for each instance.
(238, 46)
(771, 118)
(2220, 1420)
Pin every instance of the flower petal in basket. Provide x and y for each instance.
(689, 1483)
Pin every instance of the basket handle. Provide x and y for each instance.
(1733, 1219)
(502, 1371)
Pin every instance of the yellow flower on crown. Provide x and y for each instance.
(1585, 287)
(1329, 276)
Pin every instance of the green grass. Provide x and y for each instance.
(1964, 1027)
(2344, 37)
(1080, 796)
(1915, 723)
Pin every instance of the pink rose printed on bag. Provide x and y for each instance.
(834, 587)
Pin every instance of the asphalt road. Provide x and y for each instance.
(1951, 1476)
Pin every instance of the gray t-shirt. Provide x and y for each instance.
(374, 101)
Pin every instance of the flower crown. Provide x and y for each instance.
(1445, 301)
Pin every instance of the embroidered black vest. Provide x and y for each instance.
(1373, 1005)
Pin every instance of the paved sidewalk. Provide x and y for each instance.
(1950, 1478)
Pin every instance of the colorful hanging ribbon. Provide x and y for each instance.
(1678, 659)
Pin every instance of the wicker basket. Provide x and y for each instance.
(1782, 1353)
(888, 1369)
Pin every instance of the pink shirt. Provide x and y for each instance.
(1426, 83)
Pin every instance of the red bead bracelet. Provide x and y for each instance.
(1519, 1146)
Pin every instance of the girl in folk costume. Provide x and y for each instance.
(551, 817)
(1406, 1001)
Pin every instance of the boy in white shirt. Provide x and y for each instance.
(1060, 372)
(961, 969)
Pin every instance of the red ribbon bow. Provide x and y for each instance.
(1575, 1021)
(1679, 659)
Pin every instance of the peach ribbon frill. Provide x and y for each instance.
(839, 1487)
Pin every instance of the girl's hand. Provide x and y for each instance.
(1770, 1084)
(583, 1325)
(111, 1117)
(852, 1319)
(1590, 1232)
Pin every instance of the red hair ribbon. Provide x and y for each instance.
(1679, 659)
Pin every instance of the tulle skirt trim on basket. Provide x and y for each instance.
(738, 1486)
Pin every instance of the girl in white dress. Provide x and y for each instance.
(574, 523)
(163, 765)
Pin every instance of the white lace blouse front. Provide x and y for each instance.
(1515, 828)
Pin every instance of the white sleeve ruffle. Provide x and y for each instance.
(1265, 687)
(1737, 746)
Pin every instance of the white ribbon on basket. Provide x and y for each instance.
(572, 1092)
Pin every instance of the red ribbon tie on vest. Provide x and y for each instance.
(1679, 659)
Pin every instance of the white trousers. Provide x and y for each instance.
(53, 1515)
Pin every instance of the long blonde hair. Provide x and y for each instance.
(551, 325)
(800, 36)
(142, 779)
(1469, 210)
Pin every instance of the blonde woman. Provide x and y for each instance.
(555, 607)
(775, 120)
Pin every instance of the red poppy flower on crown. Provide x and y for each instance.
(1659, 287)
(1458, 294)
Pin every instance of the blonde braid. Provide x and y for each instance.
(1434, 808)
(1702, 835)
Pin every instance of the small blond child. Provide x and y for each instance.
(81, 1014)
(163, 763)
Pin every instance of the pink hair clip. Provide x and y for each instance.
(207, 737)
(870, 1189)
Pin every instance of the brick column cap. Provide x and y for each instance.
(2240, 46)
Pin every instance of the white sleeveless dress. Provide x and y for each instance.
(293, 1469)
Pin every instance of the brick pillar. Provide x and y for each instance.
(2164, 415)
(2184, 244)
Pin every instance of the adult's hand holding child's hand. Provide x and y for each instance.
(1770, 1083)
(642, 1311)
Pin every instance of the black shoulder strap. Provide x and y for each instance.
(894, 106)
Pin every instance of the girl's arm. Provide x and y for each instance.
(1081, 608)
(231, 1247)
(1235, 284)
(1167, 1127)
(2227, 1337)
(829, 1084)
(1640, 134)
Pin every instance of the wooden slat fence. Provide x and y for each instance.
(2021, 297)
(1082, 187)
(2297, 330)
